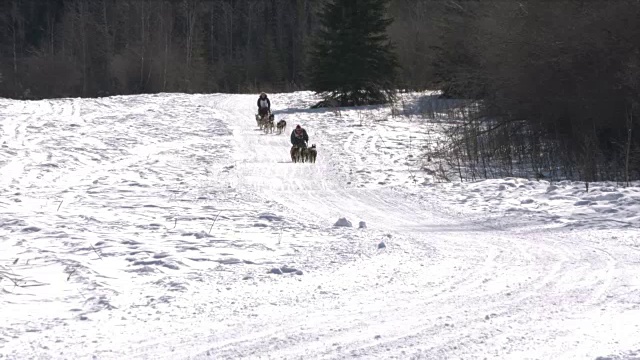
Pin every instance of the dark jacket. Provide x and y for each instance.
(268, 103)
(300, 141)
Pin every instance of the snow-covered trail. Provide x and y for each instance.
(476, 289)
(155, 220)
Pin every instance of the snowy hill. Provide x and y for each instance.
(168, 227)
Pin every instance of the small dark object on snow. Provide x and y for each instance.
(285, 269)
(275, 271)
(343, 222)
(362, 225)
(381, 245)
(299, 272)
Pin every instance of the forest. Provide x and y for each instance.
(61, 48)
(553, 85)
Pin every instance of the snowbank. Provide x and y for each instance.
(565, 203)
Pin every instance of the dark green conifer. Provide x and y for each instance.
(352, 60)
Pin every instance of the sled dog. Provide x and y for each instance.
(312, 153)
(269, 126)
(295, 154)
(281, 126)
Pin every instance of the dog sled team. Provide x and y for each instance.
(265, 119)
(299, 152)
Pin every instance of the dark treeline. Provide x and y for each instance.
(557, 82)
(60, 48)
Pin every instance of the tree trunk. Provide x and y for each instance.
(628, 149)
(83, 37)
(166, 46)
(142, 47)
(14, 30)
(191, 21)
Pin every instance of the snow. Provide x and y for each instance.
(564, 203)
(168, 226)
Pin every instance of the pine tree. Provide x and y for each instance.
(352, 60)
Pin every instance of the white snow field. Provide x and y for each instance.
(156, 227)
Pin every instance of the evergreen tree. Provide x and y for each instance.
(352, 60)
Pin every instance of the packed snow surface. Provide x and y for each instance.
(169, 227)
